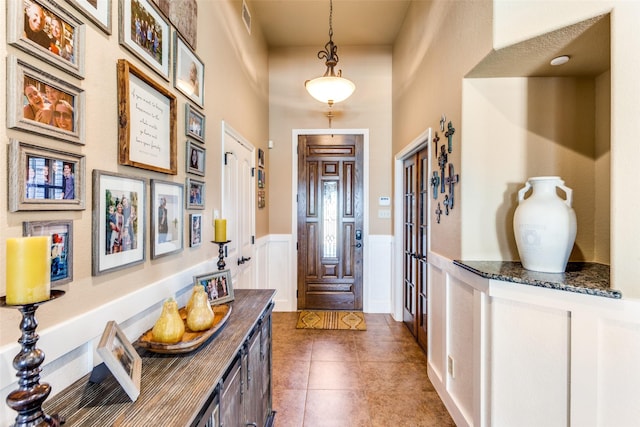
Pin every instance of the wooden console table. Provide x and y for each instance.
(175, 390)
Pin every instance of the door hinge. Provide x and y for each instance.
(296, 246)
(297, 198)
(297, 293)
(253, 172)
(253, 240)
(225, 156)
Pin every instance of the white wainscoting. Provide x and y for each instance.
(530, 356)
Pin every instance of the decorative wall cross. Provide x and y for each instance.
(435, 182)
(435, 143)
(442, 162)
(451, 180)
(449, 134)
(448, 204)
(438, 213)
(443, 120)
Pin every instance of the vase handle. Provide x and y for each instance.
(569, 192)
(523, 191)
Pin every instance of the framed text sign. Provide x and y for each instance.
(147, 122)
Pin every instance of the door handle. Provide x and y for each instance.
(242, 260)
(358, 245)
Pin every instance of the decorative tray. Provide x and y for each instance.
(190, 340)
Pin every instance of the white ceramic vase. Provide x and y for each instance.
(544, 225)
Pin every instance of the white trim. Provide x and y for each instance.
(396, 292)
(295, 133)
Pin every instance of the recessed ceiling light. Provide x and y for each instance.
(560, 60)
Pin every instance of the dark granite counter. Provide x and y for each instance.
(579, 277)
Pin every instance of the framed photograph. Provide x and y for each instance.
(147, 122)
(183, 14)
(196, 194)
(194, 123)
(195, 158)
(260, 158)
(167, 213)
(217, 285)
(119, 223)
(98, 11)
(40, 103)
(45, 30)
(188, 72)
(261, 199)
(121, 358)
(61, 233)
(262, 178)
(195, 230)
(45, 179)
(146, 34)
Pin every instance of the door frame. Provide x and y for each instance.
(295, 133)
(228, 130)
(424, 139)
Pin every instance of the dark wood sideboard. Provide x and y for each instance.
(227, 381)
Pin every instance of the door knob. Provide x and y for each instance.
(242, 260)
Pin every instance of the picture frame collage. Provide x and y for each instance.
(46, 99)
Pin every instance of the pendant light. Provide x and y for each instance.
(331, 87)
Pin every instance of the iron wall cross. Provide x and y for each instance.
(442, 162)
(448, 204)
(451, 180)
(449, 134)
(438, 213)
(435, 143)
(435, 182)
(443, 120)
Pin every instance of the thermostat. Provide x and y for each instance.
(384, 201)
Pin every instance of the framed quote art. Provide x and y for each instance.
(61, 233)
(45, 30)
(167, 218)
(61, 117)
(146, 34)
(119, 221)
(147, 124)
(45, 179)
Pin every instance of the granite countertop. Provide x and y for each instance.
(580, 277)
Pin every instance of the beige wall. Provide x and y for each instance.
(291, 107)
(236, 91)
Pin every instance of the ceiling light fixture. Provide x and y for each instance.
(559, 60)
(331, 87)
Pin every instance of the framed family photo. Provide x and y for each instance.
(147, 122)
(217, 285)
(194, 123)
(195, 230)
(40, 103)
(195, 158)
(188, 71)
(146, 34)
(195, 199)
(98, 11)
(260, 158)
(119, 221)
(45, 30)
(45, 179)
(61, 233)
(121, 358)
(167, 218)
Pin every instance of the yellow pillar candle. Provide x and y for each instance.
(220, 230)
(28, 270)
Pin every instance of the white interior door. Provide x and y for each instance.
(239, 208)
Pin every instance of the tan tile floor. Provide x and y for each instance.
(352, 378)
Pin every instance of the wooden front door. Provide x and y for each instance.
(415, 248)
(330, 221)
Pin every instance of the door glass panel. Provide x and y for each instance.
(329, 218)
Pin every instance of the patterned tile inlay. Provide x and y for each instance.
(580, 277)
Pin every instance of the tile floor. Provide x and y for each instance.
(374, 378)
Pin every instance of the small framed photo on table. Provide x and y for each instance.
(121, 358)
(217, 285)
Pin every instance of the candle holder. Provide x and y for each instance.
(27, 400)
(221, 246)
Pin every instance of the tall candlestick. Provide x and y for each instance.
(28, 270)
(220, 230)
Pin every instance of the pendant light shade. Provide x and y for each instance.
(331, 87)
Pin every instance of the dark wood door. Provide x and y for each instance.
(415, 247)
(330, 221)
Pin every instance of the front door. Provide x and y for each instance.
(238, 208)
(330, 221)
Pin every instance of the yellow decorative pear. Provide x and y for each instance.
(169, 328)
(196, 288)
(200, 316)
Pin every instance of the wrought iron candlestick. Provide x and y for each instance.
(221, 245)
(27, 400)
